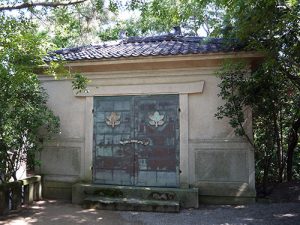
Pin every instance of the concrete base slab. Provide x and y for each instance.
(57, 190)
(130, 204)
(187, 198)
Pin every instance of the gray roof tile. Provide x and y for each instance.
(146, 46)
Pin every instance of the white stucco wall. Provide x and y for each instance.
(211, 156)
(69, 108)
(61, 156)
(202, 107)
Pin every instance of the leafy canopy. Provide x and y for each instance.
(273, 90)
(23, 112)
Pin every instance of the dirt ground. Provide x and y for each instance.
(58, 212)
(284, 209)
(285, 192)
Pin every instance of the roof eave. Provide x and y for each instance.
(168, 58)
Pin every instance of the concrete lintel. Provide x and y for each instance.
(181, 88)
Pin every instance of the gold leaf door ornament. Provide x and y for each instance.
(113, 119)
(156, 119)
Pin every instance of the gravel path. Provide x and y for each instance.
(62, 213)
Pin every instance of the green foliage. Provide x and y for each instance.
(273, 92)
(162, 16)
(79, 83)
(25, 120)
(24, 117)
(113, 32)
(66, 27)
(232, 87)
(274, 101)
(74, 25)
(191, 15)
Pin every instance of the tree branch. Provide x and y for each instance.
(25, 5)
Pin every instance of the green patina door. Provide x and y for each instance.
(136, 140)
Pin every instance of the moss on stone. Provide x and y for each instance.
(109, 193)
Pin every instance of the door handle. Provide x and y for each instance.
(134, 141)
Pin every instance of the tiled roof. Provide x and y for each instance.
(145, 46)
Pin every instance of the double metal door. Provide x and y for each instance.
(136, 140)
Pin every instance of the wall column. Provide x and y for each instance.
(184, 140)
(88, 140)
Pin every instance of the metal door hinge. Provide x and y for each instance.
(179, 110)
(93, 111)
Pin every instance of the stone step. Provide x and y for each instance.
(187, 197)
(130, 204)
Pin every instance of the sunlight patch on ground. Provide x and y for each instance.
(52, 201)
(70, 218)
(233, 224)
(286, 215)
(87, 211)
(248, 219)
(40, 202)
(22, 221)
(37, 207)
(240, 207)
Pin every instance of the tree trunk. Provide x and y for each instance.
(14, 175)
(266, 173)
(292, 144)
(278, 148)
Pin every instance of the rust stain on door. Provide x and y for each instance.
(143, 149)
